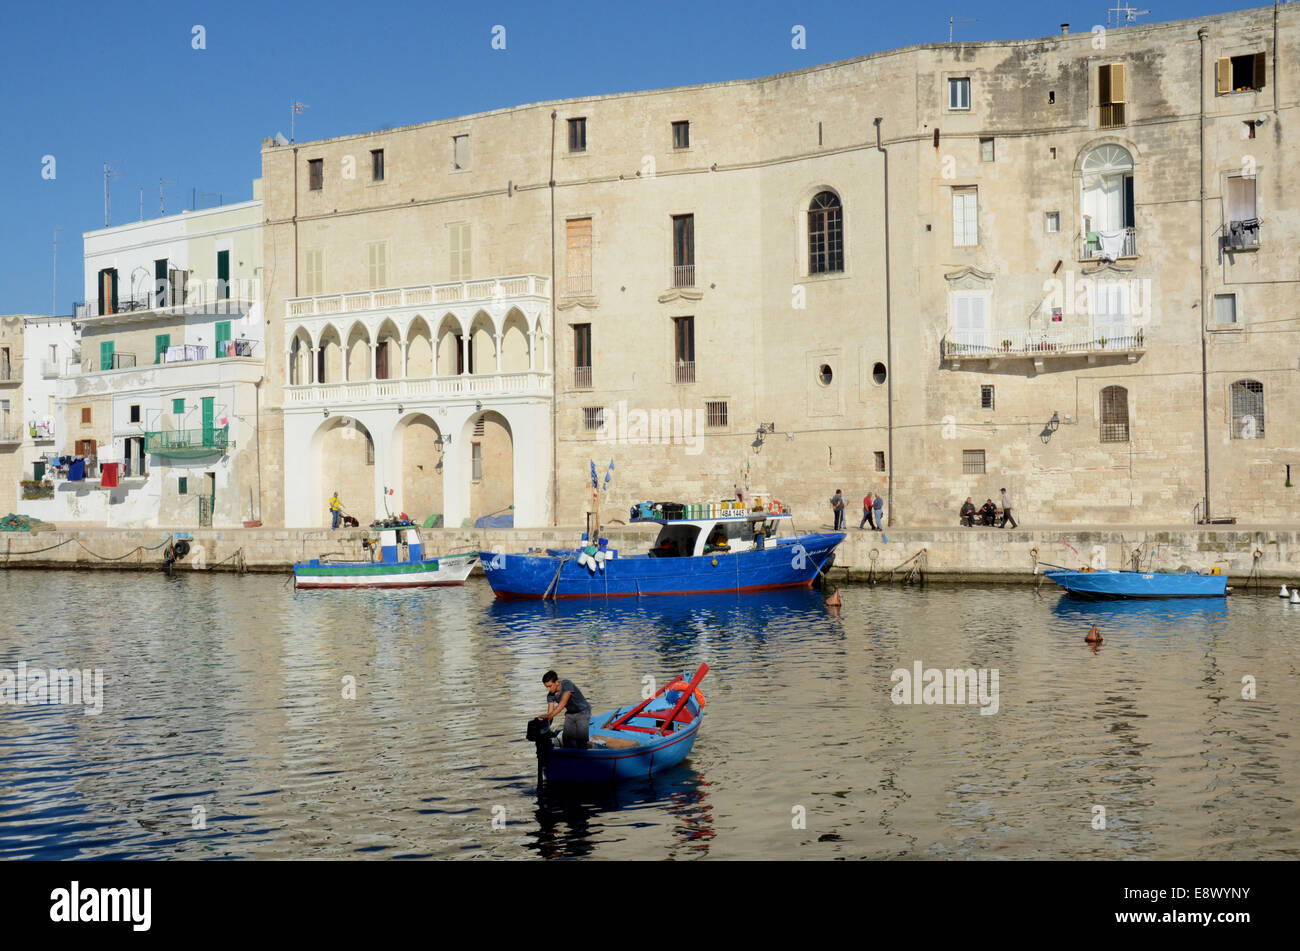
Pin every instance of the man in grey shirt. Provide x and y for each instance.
(1006, 511)
(563, 695)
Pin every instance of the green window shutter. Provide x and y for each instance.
(178, 406)
(208, 402)
(106, 354)
(223, 336)
(223, 274)
(160, 344)
(183, 486)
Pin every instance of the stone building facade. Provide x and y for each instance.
(1064, 266)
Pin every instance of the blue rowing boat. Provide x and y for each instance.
(630, 743)
(1104, 583)
(685, 559)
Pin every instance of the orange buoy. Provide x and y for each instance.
(1094, 636)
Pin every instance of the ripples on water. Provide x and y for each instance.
(225, 693)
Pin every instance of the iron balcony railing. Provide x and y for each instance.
(985, 344)
(187, 443)
(582, 378)
(1099, 245)
(684, 275)
(684, 371)
(194, 304)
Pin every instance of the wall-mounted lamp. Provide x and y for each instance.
(399, 409)
(478, 405)
(441, 441)
(326, 412)
(1052, 426)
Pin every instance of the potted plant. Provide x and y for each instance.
(1139, 337)
(1006, 346)
(1102, 342)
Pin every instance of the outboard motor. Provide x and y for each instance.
(539, 733)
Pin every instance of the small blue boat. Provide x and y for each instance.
(630, 743)
(1103, 583)
(687, 558)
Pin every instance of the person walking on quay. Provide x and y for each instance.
(878, 509)
(563, 695)
(336, 509)
(1006, 511)
(837, 506)
(866, 513)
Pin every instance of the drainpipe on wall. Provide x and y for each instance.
(555, 368)
(889, 350)
(1202, 35)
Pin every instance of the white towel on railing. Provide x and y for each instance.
(1112, 244)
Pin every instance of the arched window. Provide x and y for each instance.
(825, 234)
(1114, 414)
(1247, 409)
(1108, 203)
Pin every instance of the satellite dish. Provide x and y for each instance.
(280, 139)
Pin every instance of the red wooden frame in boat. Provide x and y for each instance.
(668, 717)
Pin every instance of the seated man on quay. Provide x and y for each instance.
(988, 512)
(968, 512)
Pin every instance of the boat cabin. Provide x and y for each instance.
(395, 544)
(696, 537)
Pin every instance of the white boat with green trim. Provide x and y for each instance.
(397, 560)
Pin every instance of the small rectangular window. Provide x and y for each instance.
(476, 452)
(715, 415)
(972, 462)
(460, 152)
(1225, 309)
(85, 415)
(459, 242)
(681, 135)
(578, 135)
(135, 412)
(1240, 73)
(183, 486)
(315, 174)
(986, 150)
(593, 417)
(582, 356)
(178, 407)
(880, 461)
(377, 165)
(684, 349)
(986, 397)
(1053, 222)
(959, 93)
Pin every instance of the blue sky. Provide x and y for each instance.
(88, 83)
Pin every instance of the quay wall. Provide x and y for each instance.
(957, 554)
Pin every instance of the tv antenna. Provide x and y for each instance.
(1122, 14)
(110, 172)
(162, 208)
(952, 20)
(296, 108)
(54, 293)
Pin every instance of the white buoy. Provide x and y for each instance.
(1295, 595)
(1284, 593)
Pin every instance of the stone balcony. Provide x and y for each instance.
(993, 347)
(464, 386)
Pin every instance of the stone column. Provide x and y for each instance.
(532, 350)
(497, 339)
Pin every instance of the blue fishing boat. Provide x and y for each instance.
(733, 552)
(1102, 583)
(630, 743)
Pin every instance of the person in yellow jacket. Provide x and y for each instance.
(336, 509)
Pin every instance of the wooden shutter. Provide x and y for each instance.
(1118, 85)
(1261, 68)
(1223, 75)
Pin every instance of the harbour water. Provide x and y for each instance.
(229, 729)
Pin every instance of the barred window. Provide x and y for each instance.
(715, 415)
(1114, 414)
(972, 462)
(880, 461)
(825, 234)
(593, 417)
(986, 397)
(1247, 409)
